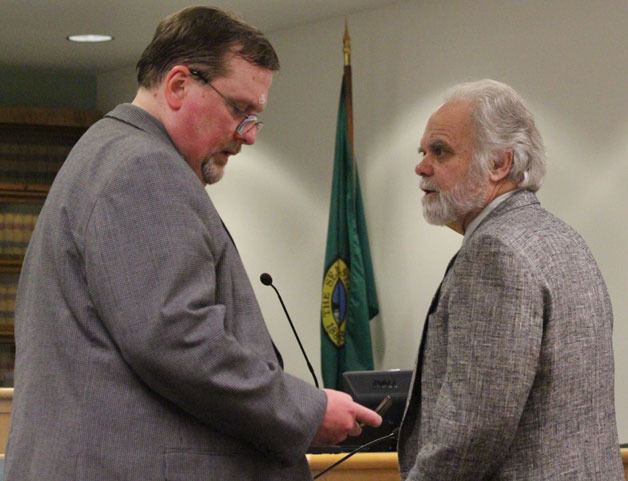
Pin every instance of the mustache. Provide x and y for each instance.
(427, 184)
(231, 148)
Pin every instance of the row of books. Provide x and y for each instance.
(7, 363)
(7, 303)
(15, 232)
(30, 164)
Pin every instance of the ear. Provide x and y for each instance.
(175, 85)
(501, 166)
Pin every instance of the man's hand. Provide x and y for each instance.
(342, 418)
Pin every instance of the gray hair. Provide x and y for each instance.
(503, 122)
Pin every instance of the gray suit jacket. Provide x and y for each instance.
(516, 381)
(142, 353)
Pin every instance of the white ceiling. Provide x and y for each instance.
(33, 32)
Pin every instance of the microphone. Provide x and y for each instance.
(267, 280)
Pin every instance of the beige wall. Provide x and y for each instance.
(567, 57)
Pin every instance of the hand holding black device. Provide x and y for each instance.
(382, 407)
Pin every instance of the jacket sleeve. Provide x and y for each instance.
(493, 309)
(151, 261)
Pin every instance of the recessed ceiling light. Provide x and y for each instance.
(91, 37)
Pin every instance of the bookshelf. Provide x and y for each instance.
(34, 142)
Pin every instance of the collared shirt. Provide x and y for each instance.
(486, 211)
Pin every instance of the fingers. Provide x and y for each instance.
(366, 416)
(356, 430)
(343, 418)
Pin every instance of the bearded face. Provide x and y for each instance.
(455, 185)
(453, 205)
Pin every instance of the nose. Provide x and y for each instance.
(423, 168)
(248, 137)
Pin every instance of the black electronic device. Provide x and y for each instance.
(369, 388)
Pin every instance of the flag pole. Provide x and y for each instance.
(346, 41)
(348, 87)
(347, 44)
(348, 297)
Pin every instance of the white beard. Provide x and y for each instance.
(447, 207)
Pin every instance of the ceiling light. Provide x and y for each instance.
(91, 37)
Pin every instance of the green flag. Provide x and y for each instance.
(349, 299)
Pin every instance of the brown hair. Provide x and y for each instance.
(202, 36)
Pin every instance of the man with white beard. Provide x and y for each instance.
(514, 377)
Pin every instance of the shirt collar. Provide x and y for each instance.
(485, 212)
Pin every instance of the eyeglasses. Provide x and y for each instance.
(249, 121)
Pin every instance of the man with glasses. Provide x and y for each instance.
(142, 353)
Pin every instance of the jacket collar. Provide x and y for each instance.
(519, 199)
(139, 118)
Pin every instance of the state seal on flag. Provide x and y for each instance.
(334, 306)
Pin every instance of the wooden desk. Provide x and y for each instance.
(360, 467)
(375, 466)
(6, 398)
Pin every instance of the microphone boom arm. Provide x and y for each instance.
(267, 280)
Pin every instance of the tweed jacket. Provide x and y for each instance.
(516, 378)
(142, 353)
